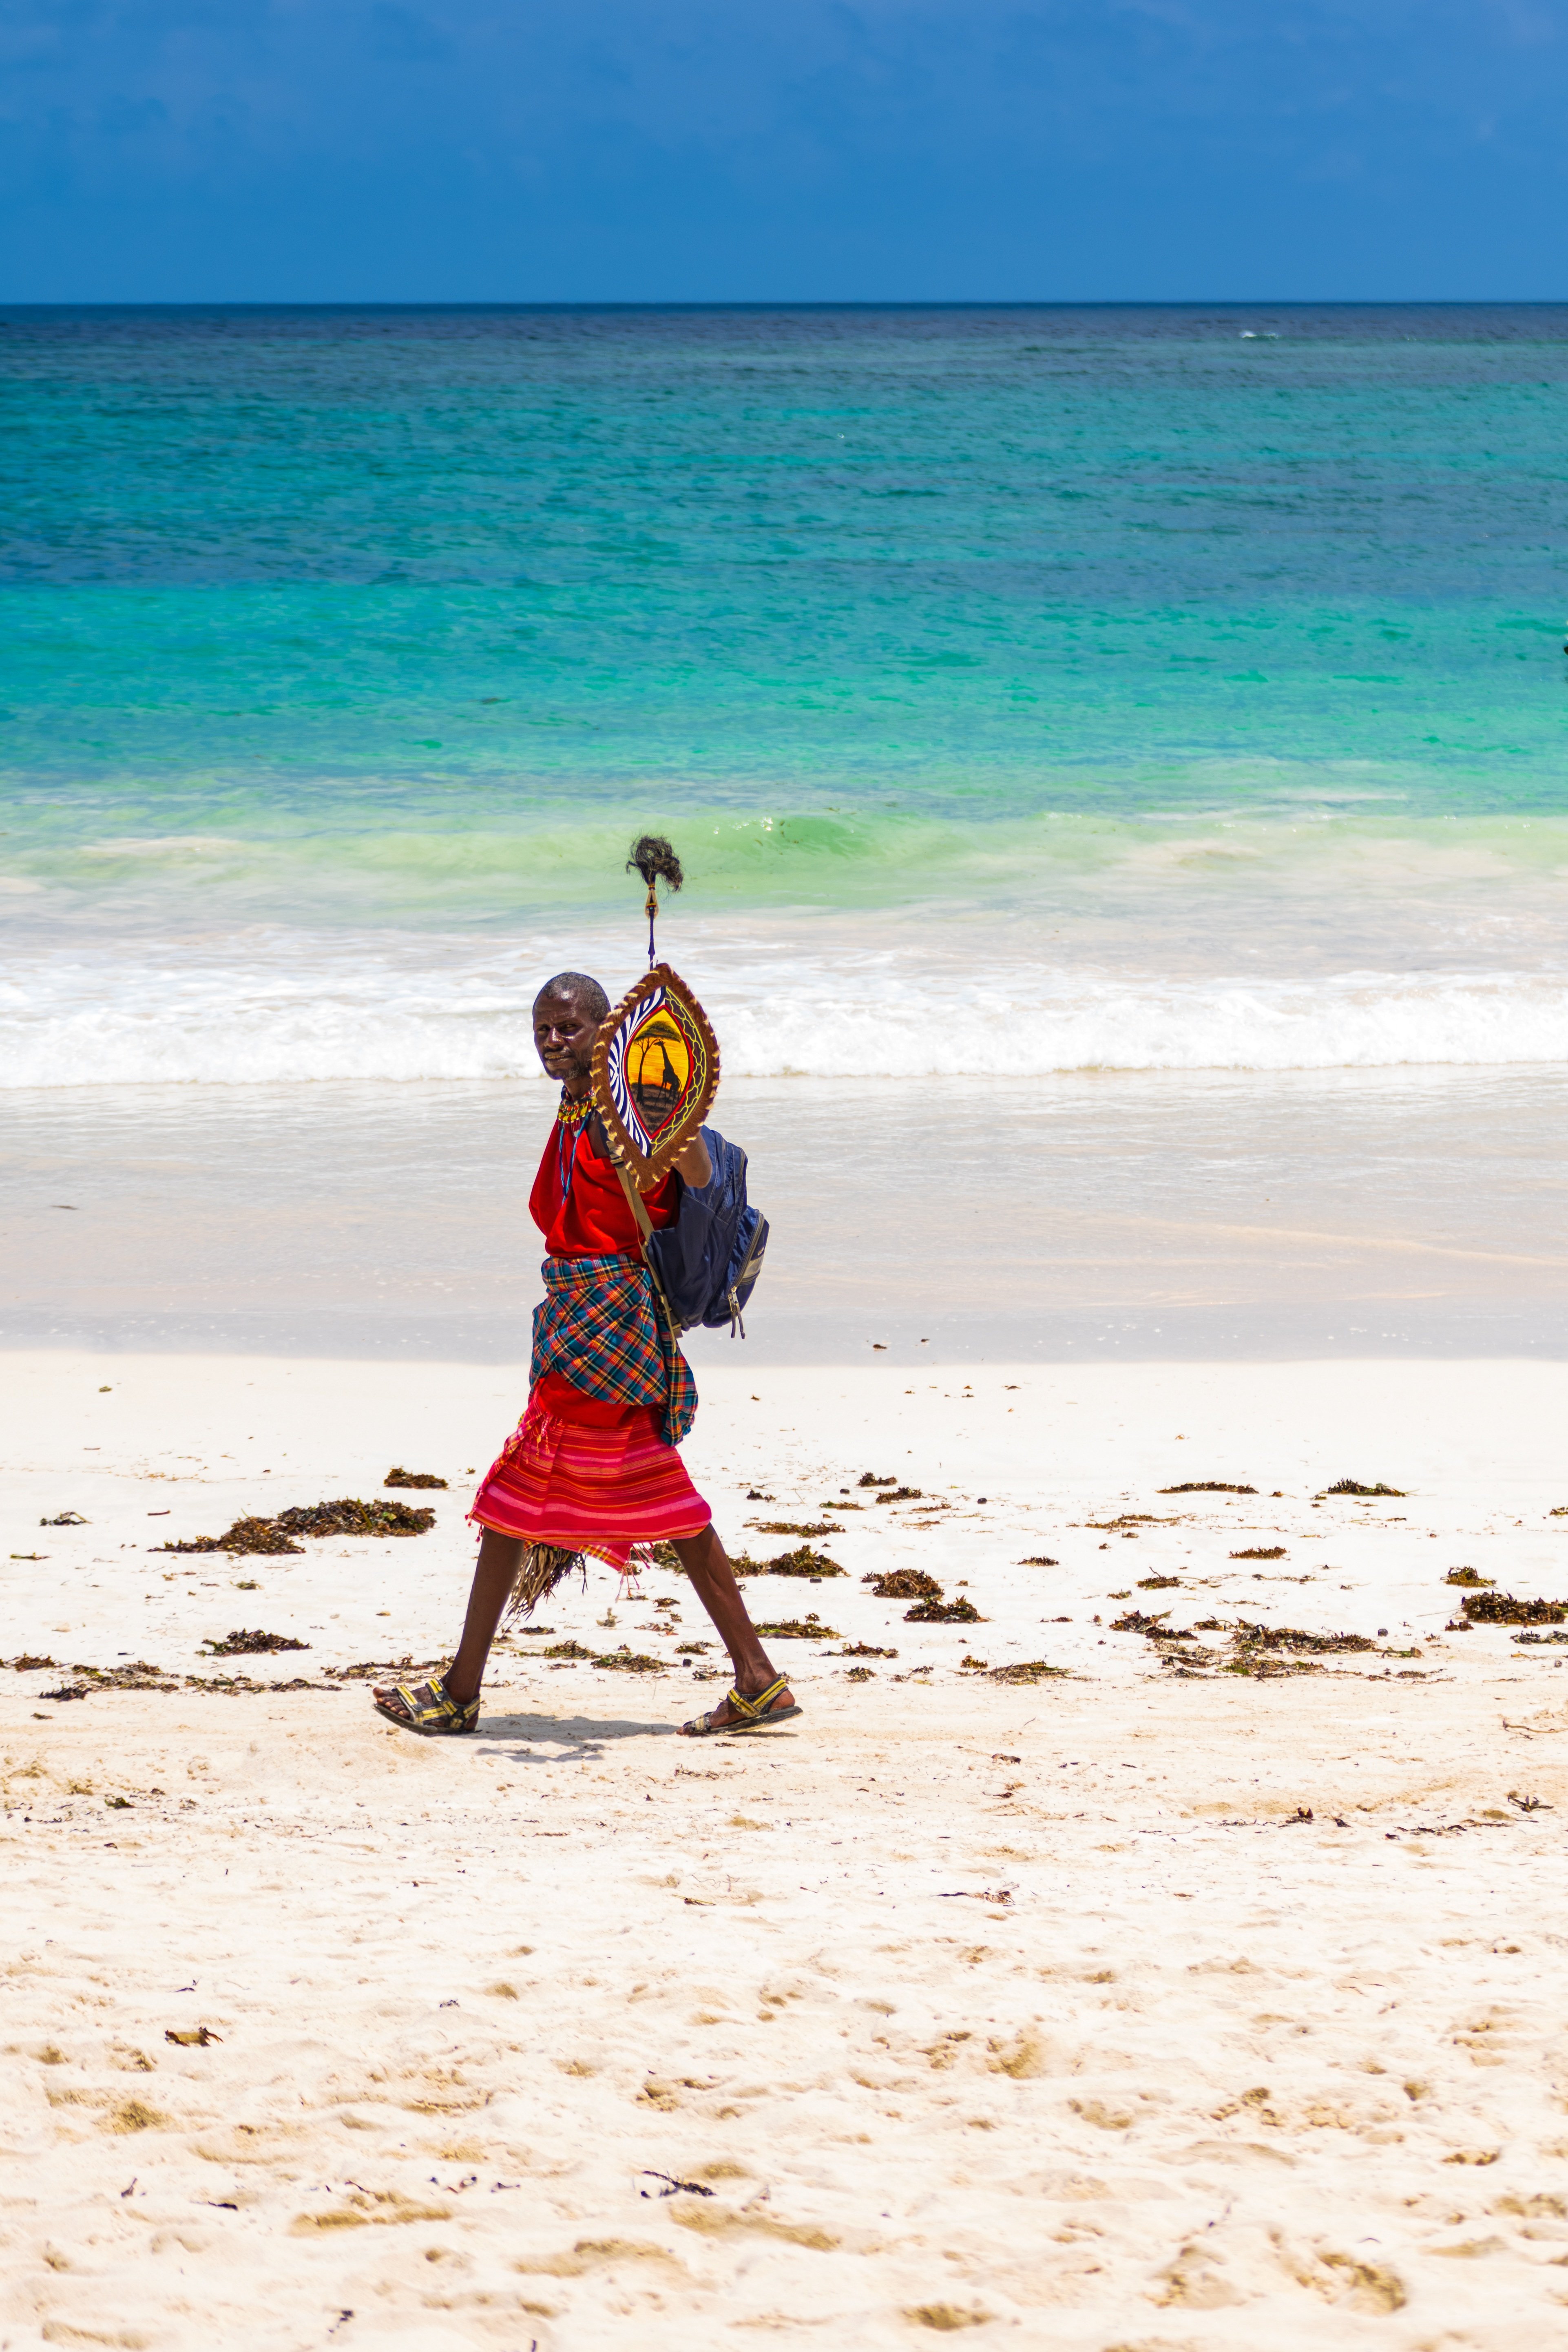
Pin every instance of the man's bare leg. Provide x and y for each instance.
(494, 1575)
(707, 1564)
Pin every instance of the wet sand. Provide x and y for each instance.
(1138, 1216)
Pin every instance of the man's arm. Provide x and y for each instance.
(694, 1164)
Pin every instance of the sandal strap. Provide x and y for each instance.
(757, 1706)
(432, 1702)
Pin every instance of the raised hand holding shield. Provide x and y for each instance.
(655, 1073)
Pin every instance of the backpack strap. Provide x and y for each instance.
(645, 1227)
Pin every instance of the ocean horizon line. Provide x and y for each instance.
(763, 306)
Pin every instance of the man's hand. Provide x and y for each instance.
(694, 1164)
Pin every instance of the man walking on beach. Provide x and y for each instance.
(592, 1465)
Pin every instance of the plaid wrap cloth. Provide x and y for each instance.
(600, 1326)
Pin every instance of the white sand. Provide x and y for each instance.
(1211, 2075)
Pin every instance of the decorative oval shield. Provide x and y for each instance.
(654, 1072)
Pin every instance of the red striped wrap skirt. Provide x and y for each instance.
(589, 1488)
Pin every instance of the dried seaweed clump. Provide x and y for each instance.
(566, 1650)
(1354, 1486)
(398, 1477)
(366, 1669)
(1207, 1486)
(795, 1527)
(246, 1535)
(1157, 1583)
(1292, 1637)
(1469, 1576)
(138, 1674)
(629, 1662)
(795, 1629)
(869, 1479)
(804, 1561)
(943, 1613)
(1261, 1551)
(243, 1644)
(1135, 1621)
(1027, 1670)
(904, 1584)
(1502, 1609)
(900, 1495)
(1039, 1559)
(853, 1650)
(349, 1516)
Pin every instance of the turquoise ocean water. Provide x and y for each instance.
(1025, 689)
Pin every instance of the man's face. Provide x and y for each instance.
(563, 1031)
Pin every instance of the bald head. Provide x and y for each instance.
(577, 988)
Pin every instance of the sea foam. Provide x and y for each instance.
(294, 1013)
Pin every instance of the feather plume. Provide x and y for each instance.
(655, 861)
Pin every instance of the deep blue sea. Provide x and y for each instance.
(1025, 689)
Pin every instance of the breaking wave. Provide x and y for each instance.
(295, 1012)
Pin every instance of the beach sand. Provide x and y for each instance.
(1145, 2004)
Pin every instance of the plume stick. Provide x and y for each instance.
(656, 862)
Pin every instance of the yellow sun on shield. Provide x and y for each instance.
(658, 1068)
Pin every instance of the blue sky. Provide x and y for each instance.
(782, 150)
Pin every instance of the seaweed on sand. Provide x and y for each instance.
(398, 1477)
(1157, 1583)
(138, 1674)
(243, 1644)
(366, 1669)
(347, 1516)
(1294, 1638)
(1468, 1576)
(1027, 1669)
(794, 1629)
(629, 1662)
(1207, 1486)
(943, 1613)
(247, 1536)
(1261, 1551)
(1502, 1609)
(795, 1526)
(350, 1516)
(869, 1479)
(1354, 1486)
(804, 1561)
(904, 1584)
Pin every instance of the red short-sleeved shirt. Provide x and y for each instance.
(578, 1203)
(579, 1206)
